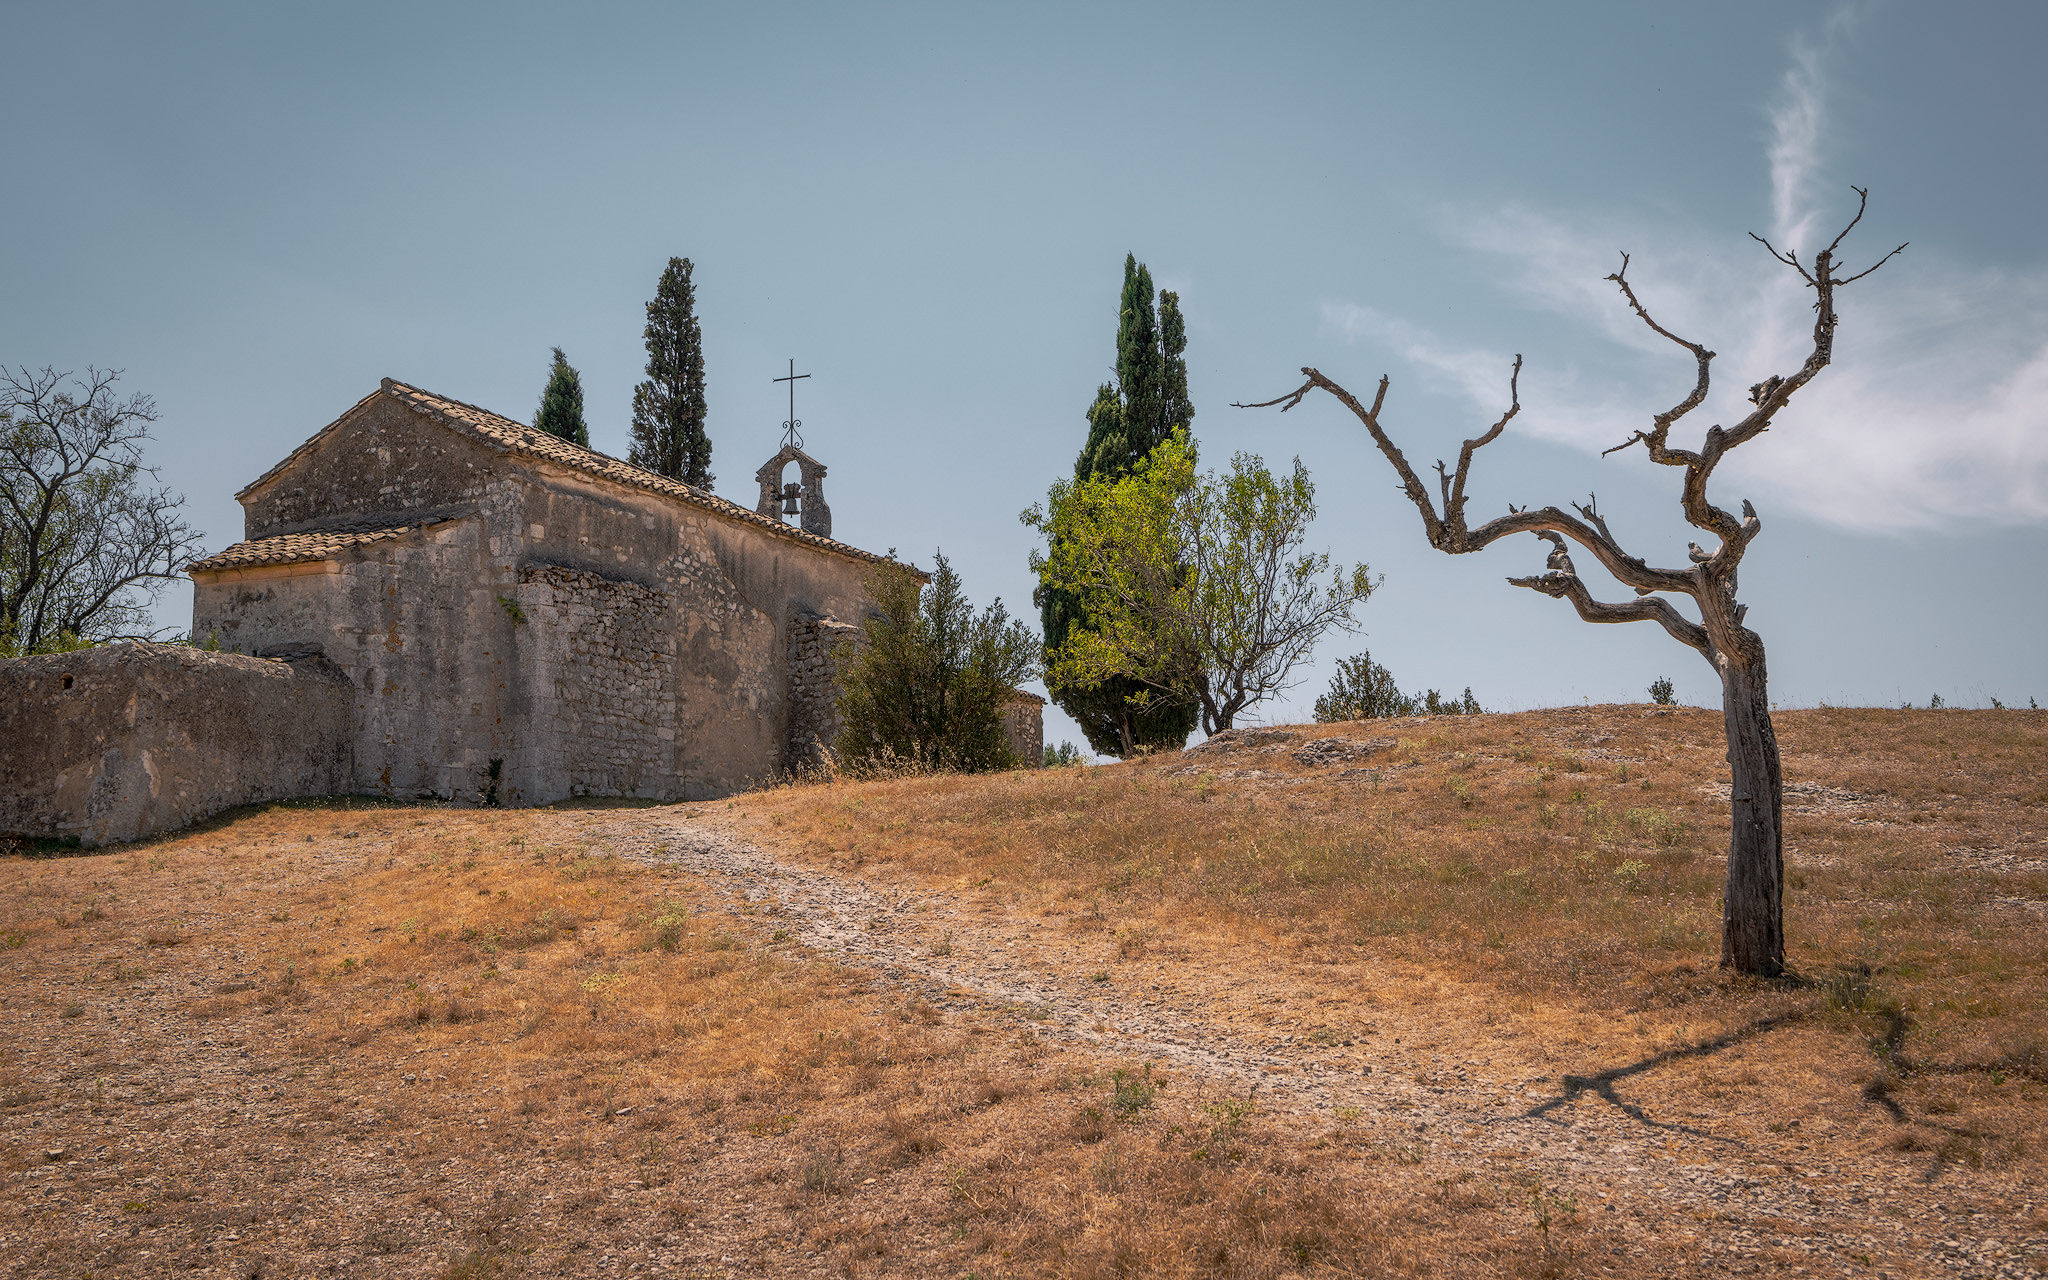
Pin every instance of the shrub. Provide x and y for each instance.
(671, 924)
(928, 679)
(1364, 690)
(1062, 755)
(1435, 704)
(1661, 692)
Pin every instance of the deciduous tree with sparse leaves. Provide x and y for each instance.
(1195, 586)
(88, 539)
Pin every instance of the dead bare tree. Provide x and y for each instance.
(1753, 917)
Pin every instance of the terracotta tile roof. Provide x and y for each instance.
(294, 548)
(520, 440)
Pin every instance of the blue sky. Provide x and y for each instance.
(258, 211)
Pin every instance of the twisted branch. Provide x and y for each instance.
(1710, 579)
(1566, 586)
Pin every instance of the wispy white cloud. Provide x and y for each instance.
(1934, 413)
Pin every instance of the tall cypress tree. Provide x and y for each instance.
(669, 408)
(561, 404)
(1179, 411)
(1126, 422)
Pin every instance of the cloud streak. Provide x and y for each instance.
(1935, 411)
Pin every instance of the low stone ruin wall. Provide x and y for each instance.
(128, 740)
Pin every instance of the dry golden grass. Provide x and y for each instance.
(1575, 855)
(327, 1038)
(1552, 881)
(469, 1043)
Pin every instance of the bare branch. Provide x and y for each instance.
(1862, 202)
(1293, 398)
(1454, 497)
(1566, 586)
(1591, 511)
(1874, 266)
(1790, 258)
(1660, 428)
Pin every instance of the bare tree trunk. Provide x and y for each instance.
(1753, 905)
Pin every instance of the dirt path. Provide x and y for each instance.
(1735, 1200)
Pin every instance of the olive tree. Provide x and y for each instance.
(1753, 917)
(87, 539)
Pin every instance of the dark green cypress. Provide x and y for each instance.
(1140, 368)
(1173, 343)
(561, 404)
(669, 407)
(1126, 422)
(1107, 450)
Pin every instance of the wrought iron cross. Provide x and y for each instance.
(790, 438)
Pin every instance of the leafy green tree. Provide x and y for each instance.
(88, 539)
(1129, 418)
(1194, 586)
(669, 407)
(561, 404)
(929, 679)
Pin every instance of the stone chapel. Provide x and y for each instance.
(435, 602)
(524, 620)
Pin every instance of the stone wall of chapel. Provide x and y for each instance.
(817, 649)
(734, 589)
(598, 657)
(421, 628)
(588, 637)
(386, 459)
(1024, 729)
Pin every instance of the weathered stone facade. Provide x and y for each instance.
(497, 594)
(127, 740)
(817, 646)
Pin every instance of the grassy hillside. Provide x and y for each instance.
(1575, 854)
(1458, 973)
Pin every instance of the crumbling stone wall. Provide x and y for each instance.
(814, 656)
(420, 628)
(1024, 727)
(128, 740)
(600, 669)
